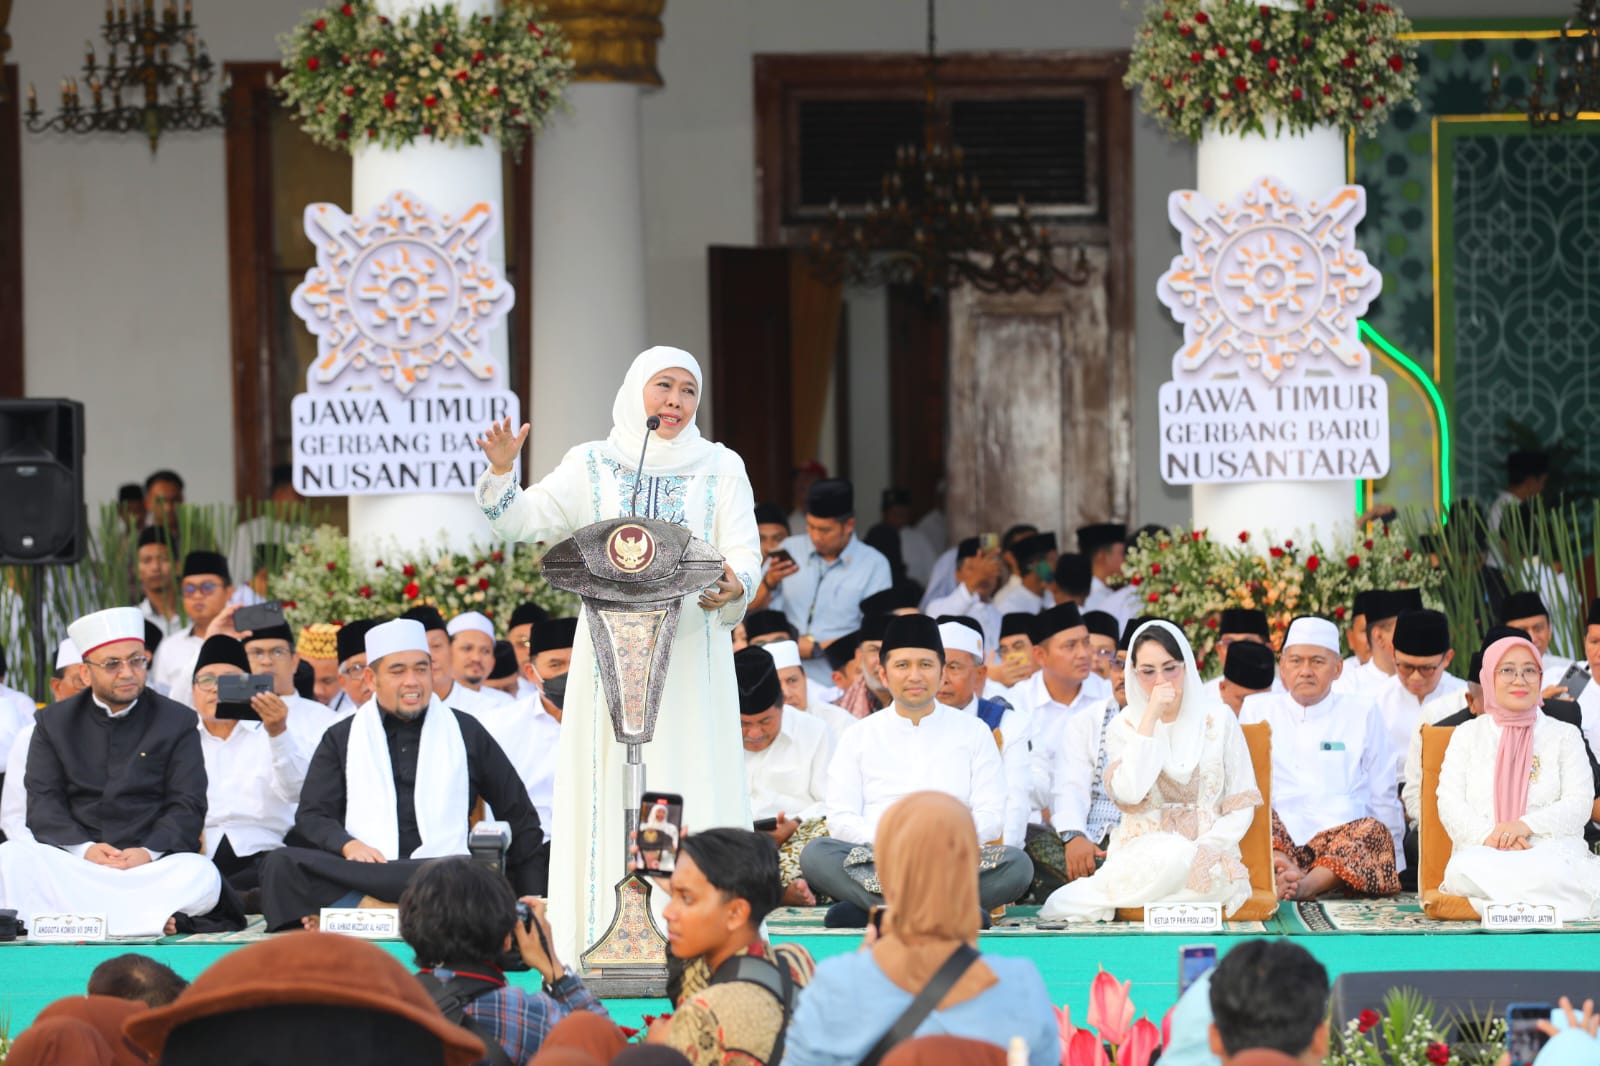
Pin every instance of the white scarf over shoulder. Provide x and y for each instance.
(441, 790)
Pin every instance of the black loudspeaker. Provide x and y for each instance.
(1463, 993)
(42, 516)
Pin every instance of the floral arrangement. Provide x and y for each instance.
(323, 583)
(1113, 1037)
(1189, 578)
(356, 77)
(1247, 66)
(1410, 1032)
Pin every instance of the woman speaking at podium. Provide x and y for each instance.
(697, 751)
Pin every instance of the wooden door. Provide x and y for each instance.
(1040, 408)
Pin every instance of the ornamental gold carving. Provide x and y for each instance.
(611, 40)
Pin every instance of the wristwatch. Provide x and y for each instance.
(1069, 835)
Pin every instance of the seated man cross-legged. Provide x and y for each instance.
(913, 745)
(393, 785)
(1336, 807)
(116, 797)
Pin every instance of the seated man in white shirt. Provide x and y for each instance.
(1384, 607)
(1336, 821)
(1250, 669)
(472, 660)
(978, 576)
(350, 646)
(1423, 690)
(1013, 658)
(797, 693)
(1235, 626)
(1527, 611)
(913, 745)
(959, 687)
(254, 770)
(271, 651)
(1064, 686)
(206, 586)
(786, 756)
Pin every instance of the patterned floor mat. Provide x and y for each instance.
(1019, 921)
(1401, 914)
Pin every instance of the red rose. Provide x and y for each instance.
(1206, 103)
(332, 567)
(460, 581)
(343, 135)
(1353, 562)
(1155, 597)
(1276, 553)
(1166, 83)
(1241, 84)
(371, 133)
(438, 48)
(1368, 545)
(1202, 18)
(1244, 536)
(1211, 623)
(1368, 1019)
(349, 90)
(408, 570)
(378, 564)
(320, 25)
(376, 56)
(1167, 15)
(483, 584)
(1366, 103)
(365, 592)
(1195, 57)
(1407, 555)
(1255, 45)
(479, 565)
(313, 63)
(1136, 581)
(494, 90)
(1438, 1054)
(1266, 12)
(1222, 52)
(1312, 562)
(533, 28)
(289, 605)
(1338, 612)
(412, 590)
(1397, 63)
(347, 11)
(478, 57)
(461, 75)
(1185, 30)
(1327, 90)
(429, 101)
(1288, 544)
(1272, 64)
(1155, 568)
(389, 99)
(1297, 94)
(1305, 42)
(498, 557)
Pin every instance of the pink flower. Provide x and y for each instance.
(1064, 1026)
(1141, 1044)
(1166, 1026)
(1110, 1008)
(1085, 1049)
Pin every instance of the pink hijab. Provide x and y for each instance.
(1513, 761)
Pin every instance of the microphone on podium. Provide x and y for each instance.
(651, 424)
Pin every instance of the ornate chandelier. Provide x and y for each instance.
(1575, 89)
(149, 43)
(932, 226)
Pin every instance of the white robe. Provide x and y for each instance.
(39, 879)
(13, 799)
(1016, 734)
(1557, 869)
(253, 785)
(790, 775)
(697, 751)
(1404, 716)
(530, 737)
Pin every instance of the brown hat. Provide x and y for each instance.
(321, 969)
(106, 1014)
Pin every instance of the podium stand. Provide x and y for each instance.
(632, 575)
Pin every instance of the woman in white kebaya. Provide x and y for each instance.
(1515, 791)
(1176, 764)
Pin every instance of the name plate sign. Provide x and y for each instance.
(367, 923)
(66, 928)
(1520, 916)
(1183, 918)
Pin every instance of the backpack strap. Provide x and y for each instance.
(768, 975)
(923, 1005)
(452, 998)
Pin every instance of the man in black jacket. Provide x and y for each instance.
(116, 797)
(394, 785)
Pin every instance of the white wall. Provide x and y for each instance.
(125, 253)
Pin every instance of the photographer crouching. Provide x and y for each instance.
(460, 918)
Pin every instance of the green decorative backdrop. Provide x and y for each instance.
(1488, 236)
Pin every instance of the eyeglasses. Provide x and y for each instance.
(1168, 670)
(353, 671)
(135, 663)
(205, 588)
(1513, 673)
(267, 655)
(525, 642)
(205, 681)
(1420, 669)
(1105, 653)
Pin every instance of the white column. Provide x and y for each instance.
(588, 267)
(450, 177)
(1311, 163)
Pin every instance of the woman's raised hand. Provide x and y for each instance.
(502, 446)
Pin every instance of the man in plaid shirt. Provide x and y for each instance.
(459, 918)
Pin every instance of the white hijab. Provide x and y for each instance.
(688, 449)
(1180, 741)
